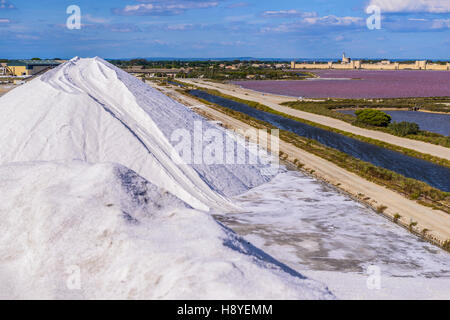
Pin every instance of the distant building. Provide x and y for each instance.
(30, 67)
(421, 65)
(345, 60)
(3, 69)
(348, 63)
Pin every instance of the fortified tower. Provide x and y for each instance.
(345, 59)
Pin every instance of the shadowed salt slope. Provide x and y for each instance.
(89, 110)
(175, 116)
(129, 239)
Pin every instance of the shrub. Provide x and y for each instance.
(404, 128)
(373, 117)
(415, 195)
(446, 244)
(412, 225)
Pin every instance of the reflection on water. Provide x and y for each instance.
(435, 175)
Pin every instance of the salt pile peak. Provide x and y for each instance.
(89, 110)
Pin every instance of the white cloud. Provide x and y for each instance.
(318, 23)
(246, 17)
(332, 20)
(6, 5)
(27, 37)
(92, 19)
(308, 20)
(404, 24)
(238, 5)
(180, 27)
(398, 6)
(441, 24)
(5, 21)
(164, 8)
(288, 13)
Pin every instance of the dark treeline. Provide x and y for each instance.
(218, 70)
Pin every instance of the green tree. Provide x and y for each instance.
(373, 117)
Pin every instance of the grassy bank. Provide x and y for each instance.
(409, 152)
(328, 108)
(410, 188)
(436, 104)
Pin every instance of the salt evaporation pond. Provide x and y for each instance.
(366, 84)
(310, 226)
(433, 174)
(433, 122)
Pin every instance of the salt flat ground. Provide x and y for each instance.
(311, 227)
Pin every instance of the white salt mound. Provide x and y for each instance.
(87, 109)
(126, 239)
(93, 206)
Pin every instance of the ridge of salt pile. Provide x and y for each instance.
(90, 110)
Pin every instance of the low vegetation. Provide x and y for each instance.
(329, 108)
(446, 245)
(412, 225)
(408, 187)
(404, 128)
(379, 118)
(437, 104)
(218, 70)
(381, 208)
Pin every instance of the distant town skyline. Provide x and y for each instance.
(288, 29)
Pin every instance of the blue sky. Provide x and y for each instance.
(225, 28)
